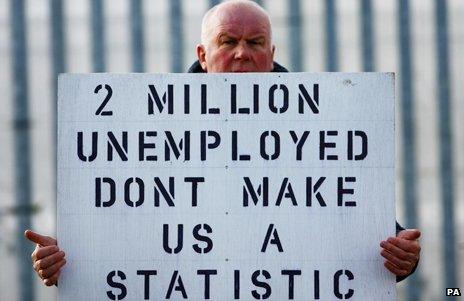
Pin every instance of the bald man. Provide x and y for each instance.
(236, 37)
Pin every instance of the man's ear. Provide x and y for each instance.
(201, 54)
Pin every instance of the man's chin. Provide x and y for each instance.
(243, 70)
(240, 68)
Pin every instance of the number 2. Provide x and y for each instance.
(105, 101)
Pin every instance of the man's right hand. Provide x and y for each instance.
(47, 259)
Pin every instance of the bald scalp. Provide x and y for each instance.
(212, 15)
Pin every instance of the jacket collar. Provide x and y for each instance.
(196, 68)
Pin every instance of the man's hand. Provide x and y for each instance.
(401, 252)
(47, 259)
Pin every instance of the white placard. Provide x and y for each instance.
(277, 186)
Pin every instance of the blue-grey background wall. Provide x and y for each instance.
(421, 40)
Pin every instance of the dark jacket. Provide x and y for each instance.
(196, 68)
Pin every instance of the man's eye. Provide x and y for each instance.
(254, 42)
(229, 42)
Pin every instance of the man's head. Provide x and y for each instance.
(236, 37)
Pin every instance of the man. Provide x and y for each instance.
(236, 37)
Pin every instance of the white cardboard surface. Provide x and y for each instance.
(316, 240)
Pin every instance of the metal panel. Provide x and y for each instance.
(331, 36)
(137, 39)
(59, 64)
(446, 145)
(408, 137)
(214, 2)
(294, 22)
(98, 36)
(367, 36)
(176, 36)
(21, 126)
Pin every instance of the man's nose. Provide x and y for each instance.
(242, 51)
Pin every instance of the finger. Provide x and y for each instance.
(403, 264)
(411, 246)
(34, 253)
(42, 252)
(48, 261)
(410, 234)
(394, 269)
(396, 251)
(52, 280)
(39, 239)
(51, 270)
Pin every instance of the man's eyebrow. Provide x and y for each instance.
(257, 38)
(225, 34)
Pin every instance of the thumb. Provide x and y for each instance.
(39, 239)
(409, 234)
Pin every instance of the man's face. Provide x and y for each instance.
(238, 41)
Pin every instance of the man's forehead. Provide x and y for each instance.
(238, 24)
(240, 14)
(240, 29)
(241, 18)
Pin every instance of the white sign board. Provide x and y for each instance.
(275, 186)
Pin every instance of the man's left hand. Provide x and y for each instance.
(401, 252)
